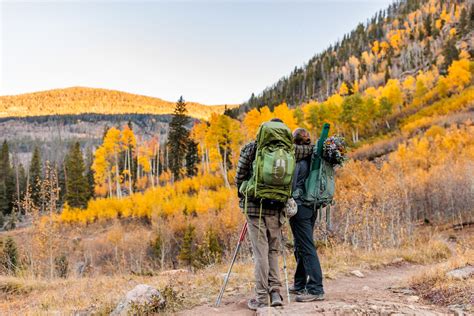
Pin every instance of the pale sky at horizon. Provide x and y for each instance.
(212, 52)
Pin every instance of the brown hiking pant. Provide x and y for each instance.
(265, 242)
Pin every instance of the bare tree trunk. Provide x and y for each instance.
(223, 168)
(17, 176)
(167, 159)
(129, 159)
(138, 165)
(117, 177)
(109, 178)
(207, 161)
(203, 157)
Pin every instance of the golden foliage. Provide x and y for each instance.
(79, 100)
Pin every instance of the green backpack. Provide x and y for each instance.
(320, 184)
(274, 164)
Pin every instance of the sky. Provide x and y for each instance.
(212, 52)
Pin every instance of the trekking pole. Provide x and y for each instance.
(284, 268)
(226, 279)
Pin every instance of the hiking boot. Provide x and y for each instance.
(296, 290)
(253, 304)
(276, 299)
(308, 297)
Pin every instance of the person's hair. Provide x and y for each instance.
(276, 119)
(301, 137)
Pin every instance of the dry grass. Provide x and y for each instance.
(436, 287)
(99, 294)
(424, 250)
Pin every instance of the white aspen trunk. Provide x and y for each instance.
(158, 156)
(117, 177)
(18, 204)
(223, 167)
(109, 181)
(129, 159)
(138, 165)
(167, 159)
(152, 179)
(52, 203)
(162, 259)
(346, 227)
(207, 161)
(203, 157)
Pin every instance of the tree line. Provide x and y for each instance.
(23, 189)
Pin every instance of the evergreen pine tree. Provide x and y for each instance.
(178, 138)
(427, 25)
(62, 182)
(471, 18)
(463, 22)
(35, 177)
(61, 265)
(450, 53)
(186, 254)
(192, 158)
(10, 255)
(77, 186)
(90, 174)
(7, 183)
(21, 182)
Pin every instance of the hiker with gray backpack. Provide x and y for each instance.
(264, 177)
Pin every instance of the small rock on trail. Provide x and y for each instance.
(357, 273)
(142, 294)
(461, 273)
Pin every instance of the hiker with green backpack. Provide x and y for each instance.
(313, 189)
(264, 177)
(308, 278)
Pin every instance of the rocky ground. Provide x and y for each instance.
(380, 292)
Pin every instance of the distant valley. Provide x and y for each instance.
(53, 119)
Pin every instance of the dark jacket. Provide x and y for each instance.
(244, 172)
(299, 178)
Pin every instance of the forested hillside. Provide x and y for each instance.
(408, 37)
(54, 133)
(79, 100)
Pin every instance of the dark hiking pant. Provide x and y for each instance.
(308, 273)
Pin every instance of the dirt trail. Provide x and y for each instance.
(379, 292)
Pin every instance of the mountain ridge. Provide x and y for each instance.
(81, 100)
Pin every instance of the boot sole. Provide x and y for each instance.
(310, 300)
(276, 304)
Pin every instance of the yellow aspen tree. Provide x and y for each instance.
(129, 142)
(459, 75)
(393, 93)
(113, 148)
(286, 115)
(198, 133)
(265, 114)
(343, 89)
(251, 122)
(101, 167)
